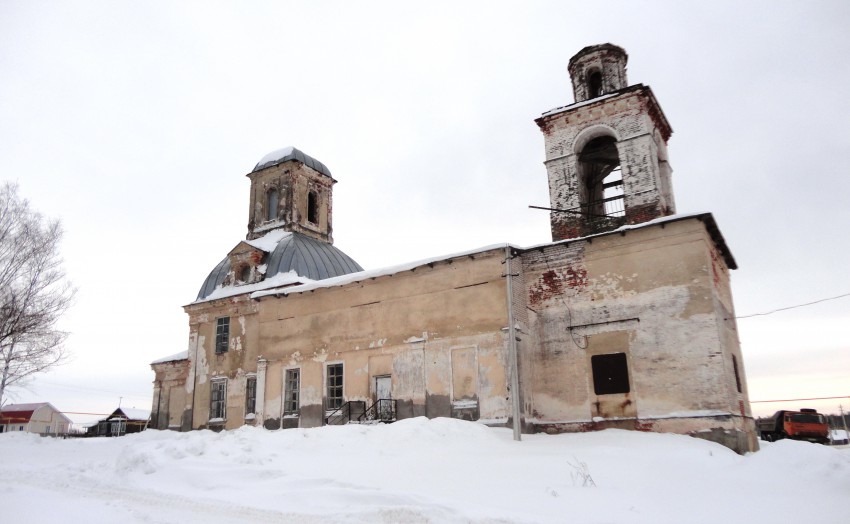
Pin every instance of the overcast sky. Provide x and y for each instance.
(136, 122)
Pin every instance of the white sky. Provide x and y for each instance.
(135, 123)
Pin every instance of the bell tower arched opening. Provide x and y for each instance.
(594, 83)
(606, 154)
(600, 178)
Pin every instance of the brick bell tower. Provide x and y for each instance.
(606, 154)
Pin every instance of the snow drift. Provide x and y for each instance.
(416, 470)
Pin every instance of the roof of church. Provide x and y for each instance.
(295, 253)
(290, 153)
(706, 218)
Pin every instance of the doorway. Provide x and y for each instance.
(383, 397)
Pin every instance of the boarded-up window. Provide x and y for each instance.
(610, 373)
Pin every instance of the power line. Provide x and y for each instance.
(796, 399)
(794, 307)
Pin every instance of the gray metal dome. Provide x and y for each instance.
(290, 153)
(306, 256)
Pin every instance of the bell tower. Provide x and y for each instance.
(292, 191)
(606, 154)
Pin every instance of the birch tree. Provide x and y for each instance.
(34, 292)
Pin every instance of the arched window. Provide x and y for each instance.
(245, 274)
(602, 181)
(312, 207)
(272, 201)
(594, 84)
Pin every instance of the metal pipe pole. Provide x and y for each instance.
(512, 349)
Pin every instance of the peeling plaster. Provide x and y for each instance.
(202, 364)
(377, 343)
(296, 358)
(414, 339)
(609, 285)
(242, 324)
(320, 355)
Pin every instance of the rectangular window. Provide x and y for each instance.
(291, 392)
(334, 386)
(218, 396)
(251, 395)
(610, 374)
(222, 335)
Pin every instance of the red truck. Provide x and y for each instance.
(806, 424)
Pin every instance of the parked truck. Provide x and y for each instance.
(806, 424)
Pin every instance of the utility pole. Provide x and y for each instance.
(843, 421)
(512, 349)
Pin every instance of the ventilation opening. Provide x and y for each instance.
(594, 84)
(312, 208)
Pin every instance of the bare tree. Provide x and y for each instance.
(34, 292)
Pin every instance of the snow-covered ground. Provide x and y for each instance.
(416, 470)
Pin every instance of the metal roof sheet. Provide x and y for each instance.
(306, 256)
(291, 153)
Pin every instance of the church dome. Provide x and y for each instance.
(307, 257)
(290, 153)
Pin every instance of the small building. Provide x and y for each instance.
(41, 418)
(624, 320)
(121, 422)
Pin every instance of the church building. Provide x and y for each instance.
(625, 320)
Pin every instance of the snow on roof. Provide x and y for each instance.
(362, 275)
(269, 241)
(706, 218)
(276, 155)
(135, 414)
(24, 407)
(183, 355)
(580, 104)
(391, 270)
(279, 280)
(291, 153)
(23, 412)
